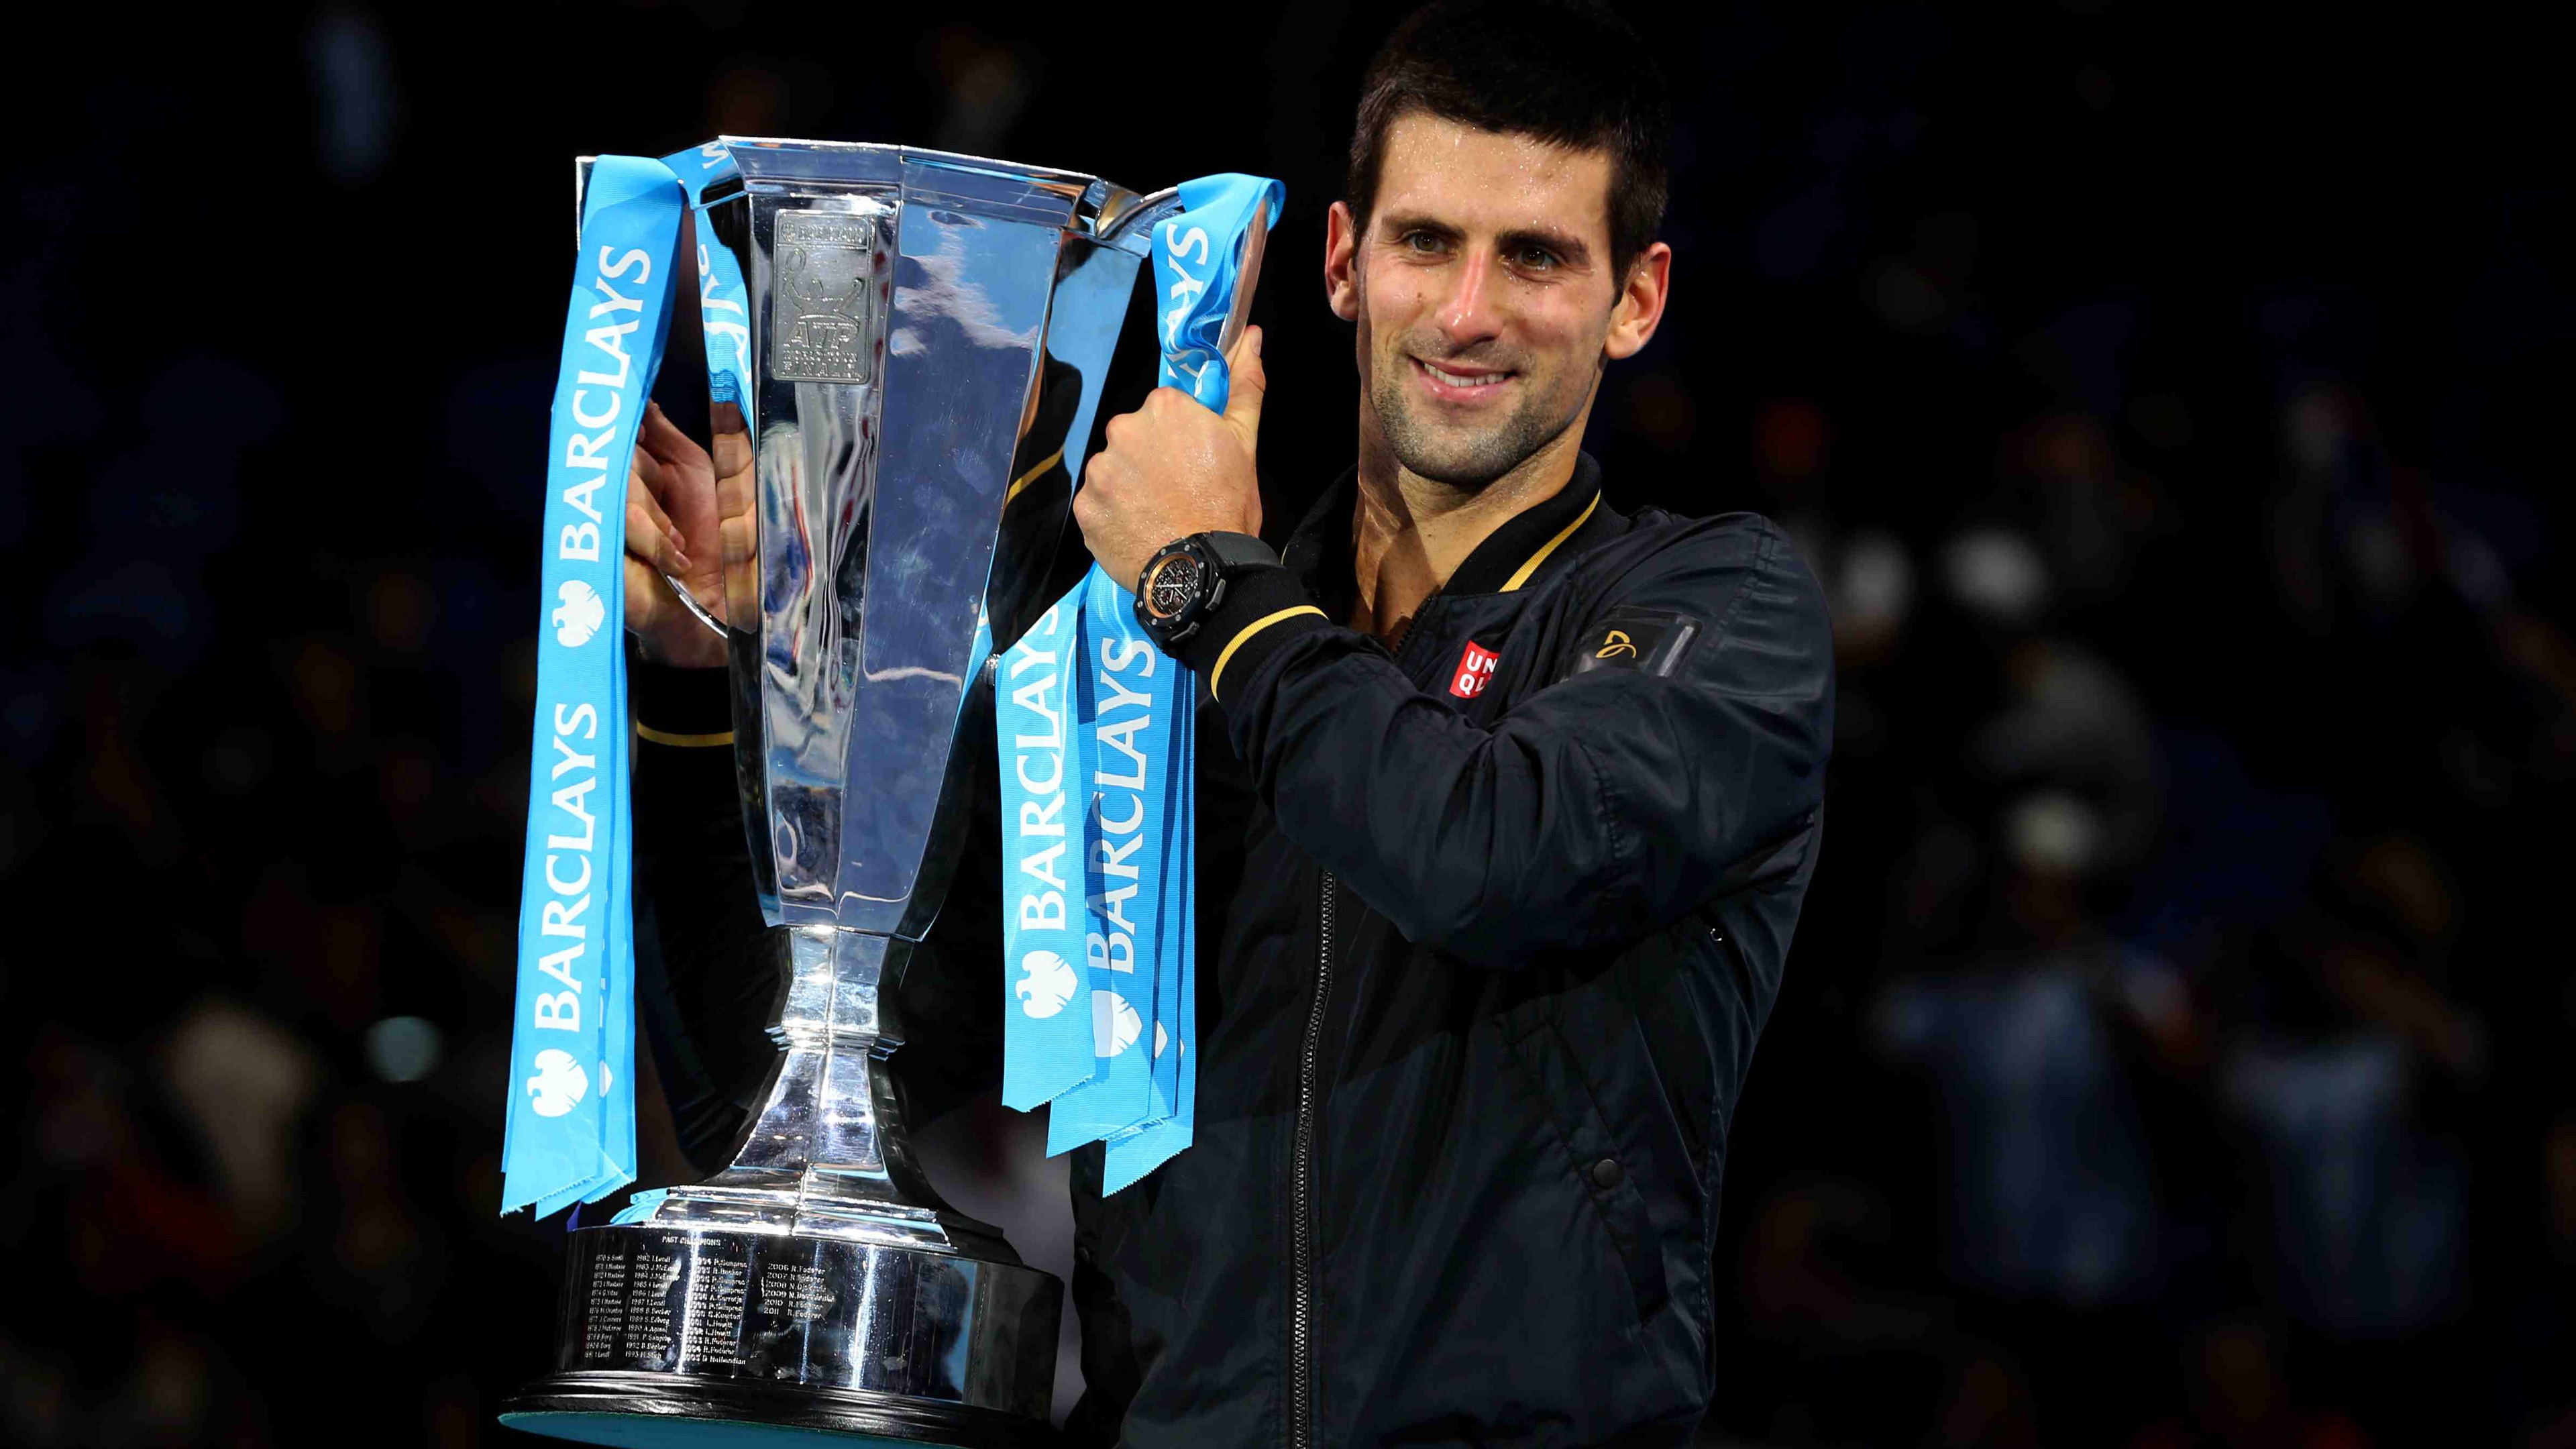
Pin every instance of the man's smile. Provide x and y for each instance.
(1460, 382)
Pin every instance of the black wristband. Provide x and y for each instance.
(1265, 608)
(677, 703)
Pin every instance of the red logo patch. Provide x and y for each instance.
(1475, 667)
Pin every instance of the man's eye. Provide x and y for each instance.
(1423, 242)
(1536, 259)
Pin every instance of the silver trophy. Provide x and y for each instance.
(910, 312)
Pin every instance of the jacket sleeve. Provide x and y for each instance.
(1598, 809)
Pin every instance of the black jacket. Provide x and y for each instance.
(1482, 967)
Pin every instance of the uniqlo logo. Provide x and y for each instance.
(1475, 667)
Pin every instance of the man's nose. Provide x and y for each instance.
(1467, 315)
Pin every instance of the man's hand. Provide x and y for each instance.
(671, 527)
(1172, 468)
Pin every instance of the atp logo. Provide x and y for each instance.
(1617, 646)
(579, 615)
(1046, 984)
(1114, 1024)
(559, 1084)
(1475, 670)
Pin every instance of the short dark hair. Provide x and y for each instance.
(1565, 72)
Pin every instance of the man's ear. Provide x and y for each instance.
(1341, 262)
(1640, 308)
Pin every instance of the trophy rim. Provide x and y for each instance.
(1103, 209)
(996, 164)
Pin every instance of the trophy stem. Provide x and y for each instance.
(825, 1155)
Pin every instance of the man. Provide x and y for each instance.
(1531, 793)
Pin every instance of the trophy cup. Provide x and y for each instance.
(909, 311)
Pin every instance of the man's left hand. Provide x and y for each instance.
(1172, 468)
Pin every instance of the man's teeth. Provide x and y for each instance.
(1458, 380)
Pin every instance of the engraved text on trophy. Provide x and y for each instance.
(825, 313)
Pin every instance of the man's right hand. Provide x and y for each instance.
(673, 526)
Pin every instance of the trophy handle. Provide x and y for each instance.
(1127, 221)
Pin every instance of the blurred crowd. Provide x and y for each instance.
(2171, 1052)
(2174, 1047)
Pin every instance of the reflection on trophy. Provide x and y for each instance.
(907, 308)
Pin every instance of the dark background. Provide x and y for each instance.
(2171, 401)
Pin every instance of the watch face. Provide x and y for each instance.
(1176, 581)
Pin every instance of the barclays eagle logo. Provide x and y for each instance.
(1046, 984)
(579, 615)
(559, 1084)
(1114, 1024)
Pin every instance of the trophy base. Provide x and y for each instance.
(703, 1334)
(587, 1409)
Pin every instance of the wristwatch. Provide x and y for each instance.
(1185, 581)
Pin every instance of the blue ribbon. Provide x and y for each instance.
(1128, 721)
(1096, 741)
(724, 310)
(1198, 270)
(1046, 1040)
(570, 1133)
(1198, 262)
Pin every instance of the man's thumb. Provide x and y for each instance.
(1245, 385)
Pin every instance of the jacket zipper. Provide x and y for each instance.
(1301, 1166)
(1301, 1200)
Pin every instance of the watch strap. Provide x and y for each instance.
(1234, 551)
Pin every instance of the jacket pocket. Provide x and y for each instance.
(1592, 1159)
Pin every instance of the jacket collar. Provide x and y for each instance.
(1511, 557)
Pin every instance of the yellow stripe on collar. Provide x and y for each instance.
(1522, 574)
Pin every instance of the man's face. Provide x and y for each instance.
(1484, 295)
